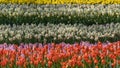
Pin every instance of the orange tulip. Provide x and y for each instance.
(102, 55)
(64, 64)
(89, 61)
(54, 58)
(111, 49)
(43, 62)
(11, 60)
(119, 62)
(112, 56)
(96, 67)
(113, 64)
(79, 63)
(99, 46)
(103, 61)
(85, 56)
(95, 61)
(49, 57)
(36, 62)
(50, 63)
(21, 61)
(79, 58)
(4, 62)
(11, 65)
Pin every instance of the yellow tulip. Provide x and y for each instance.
(62, 1)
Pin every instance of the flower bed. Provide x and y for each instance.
(79, 55)
(59, 33)
(61, 1)
(55, 14)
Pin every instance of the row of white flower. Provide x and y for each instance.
(16, 9)
(58, 32)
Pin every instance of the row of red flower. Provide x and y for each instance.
(61, 56)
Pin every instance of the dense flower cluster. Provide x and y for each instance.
(62, 1)
(52, 33)
(32, 8)
(58, 33)
(86, 14)
(83, 55)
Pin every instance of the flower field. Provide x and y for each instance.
(59, 33)
(77, 55)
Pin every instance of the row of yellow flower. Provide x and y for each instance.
(62, 1)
